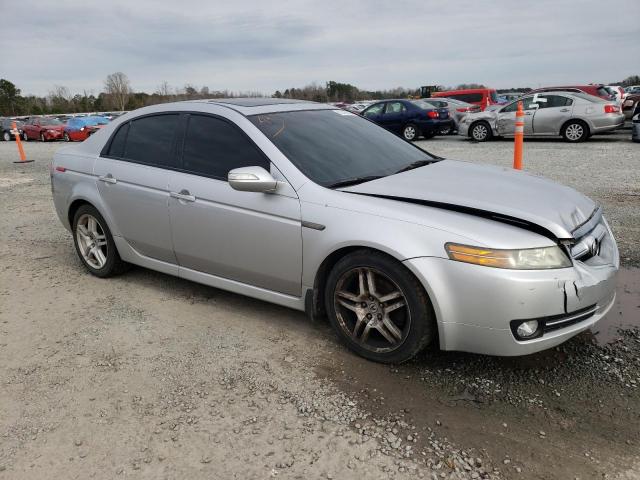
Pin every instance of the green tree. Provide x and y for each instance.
(9, 98)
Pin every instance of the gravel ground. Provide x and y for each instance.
(150, 376)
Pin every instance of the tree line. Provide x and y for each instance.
(117, 94)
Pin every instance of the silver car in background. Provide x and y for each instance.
(318, 209)
(457, 109)
(573, 116)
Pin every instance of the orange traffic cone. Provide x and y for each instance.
(518, 138)
(16, 133)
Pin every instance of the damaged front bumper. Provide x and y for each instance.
(476, 305)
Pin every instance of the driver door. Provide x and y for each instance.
(506, 123)
(394, 116)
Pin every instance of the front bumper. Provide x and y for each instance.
(53, 135)
(474, 305)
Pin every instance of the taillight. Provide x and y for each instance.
(611, 109)
(463, 109)
(61, 169)
(432, 114)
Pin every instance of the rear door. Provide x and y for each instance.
(394, 116)
(133, 180)
(250, 237)
(553, 111)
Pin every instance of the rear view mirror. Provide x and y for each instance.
(251, 179)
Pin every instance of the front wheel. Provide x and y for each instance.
(410, 132)
(378, 308)
(66, 137)
(6, 136)
(42, 139)
(480, 131)
(575, 131)
(25, 137)
(94, 243)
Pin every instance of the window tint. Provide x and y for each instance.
(329, 146)
(395, 107)
(116, 149)
(212, 147)
(555, 101)
(150, 140)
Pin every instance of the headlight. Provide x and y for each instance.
(526, 259)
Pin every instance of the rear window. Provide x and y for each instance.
(603, 91)
(150, 140)
(494, 96)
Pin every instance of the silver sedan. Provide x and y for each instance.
(321, 210)
(574, 116)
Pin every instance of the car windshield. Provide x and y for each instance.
(334, 146)
(50, 121)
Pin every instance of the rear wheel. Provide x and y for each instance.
(94, 243)
(66, 137)
(6, 136)
(25, 137)
(42, 139)
(575, 131)
(410, 132)
(480, 131)
(378, 308)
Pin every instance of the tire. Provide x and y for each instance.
(6, 136)
(575, 131)
(390, 323)
(25, 137)
(66, 137)
(103, 265)
(42, 139)
(480, 131)
(410, 132)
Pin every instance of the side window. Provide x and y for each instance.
(150, 140)
(512, 107)
(116, 149)
(374, 110)
(213, 146)
(556, 101)
(395, 107)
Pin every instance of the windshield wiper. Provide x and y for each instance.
(417, 164)
(353, 181)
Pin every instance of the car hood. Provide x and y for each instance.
(500, 193)
(53, 127)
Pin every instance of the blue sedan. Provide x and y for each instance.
(408, 119)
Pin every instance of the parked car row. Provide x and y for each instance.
(45, 129)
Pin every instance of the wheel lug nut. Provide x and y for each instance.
(379, 316)
(369, 316)
(363, 305)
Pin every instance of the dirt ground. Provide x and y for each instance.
(150, 376)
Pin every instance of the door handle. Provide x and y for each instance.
(528, 113)
(183, 195)
(564, 110)
(108, 178)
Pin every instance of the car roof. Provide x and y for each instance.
(259, 105)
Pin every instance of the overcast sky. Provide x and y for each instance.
(264, 45)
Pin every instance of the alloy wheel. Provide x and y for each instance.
(480, 132)
(66, 137)
(574, 132)
(6, 136)
(410, 132)
(371, 309)
(92, 241)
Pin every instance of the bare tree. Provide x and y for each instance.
(118, 88)
(164, 90)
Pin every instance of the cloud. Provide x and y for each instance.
(269, 45)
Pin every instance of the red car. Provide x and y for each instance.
(596, 90)
(477, 96)
(43, 129)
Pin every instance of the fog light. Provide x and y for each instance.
(527, 329)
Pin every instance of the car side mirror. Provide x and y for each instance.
(251, 179)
